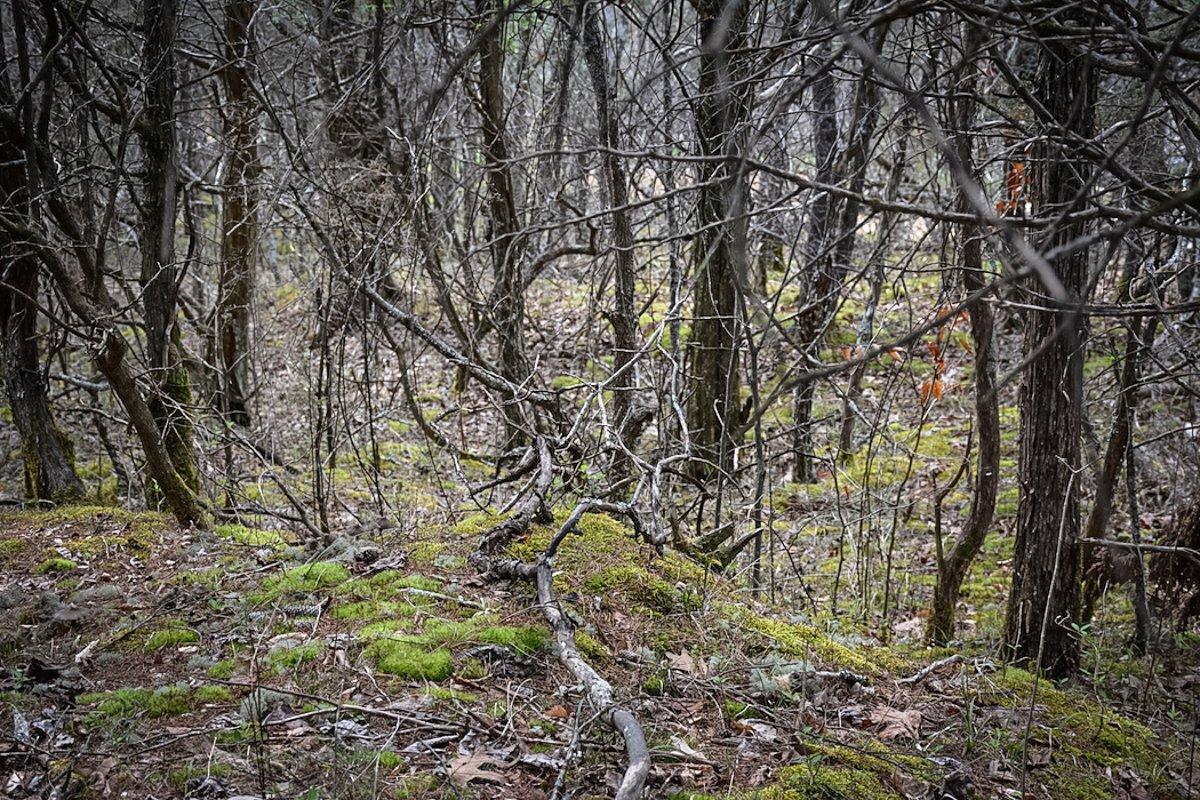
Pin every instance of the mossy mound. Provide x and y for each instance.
(301, 580)
(120, 705)
(1086, 740)
(253, 537)
(398, 650)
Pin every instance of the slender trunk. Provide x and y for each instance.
(953, 565)
(239, 221)
(1043, 604)
(46, 452)
(820, 283)
(623, 317)
(722, 108)
(171, 403)
(507, 255)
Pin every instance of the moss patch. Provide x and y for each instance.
(55, 565)
(304, 579)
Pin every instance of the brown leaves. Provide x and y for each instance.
(895, 724)
(475, 767)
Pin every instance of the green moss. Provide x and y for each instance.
(425, 553)
(806, 642)
(388, 584)
(212, 695)
(175, 633)
(287, 658)
(252, 537)
(55, 565)
(816, 781)
(11, 547)
(222, 670)
(304, 579)
(644, 588)
(123, 704)
(445, 694)
(734, 709)
(590, 648)
(374, 609)
(655, 685)
(410, 661)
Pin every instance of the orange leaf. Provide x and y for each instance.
(557, 712)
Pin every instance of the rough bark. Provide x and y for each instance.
(239, 218)
(821, 282)
(506, 247)
(1044, 601)
(721, 105)
(46, 451)
(623, 316)
(172, 401)
(954, 564)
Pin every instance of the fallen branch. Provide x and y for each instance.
(929, 669)
(599, 692)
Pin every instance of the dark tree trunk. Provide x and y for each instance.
(623, 316)
(720, 248)
(239, 222)
(507, 256)
(46, 452)
(821, 282)
(171, 403)
(1044, 601)
(954, 564)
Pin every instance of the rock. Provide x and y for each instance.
(101, 593)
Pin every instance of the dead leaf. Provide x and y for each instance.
(557, 712)
(682, 661)
(474, 767)
(896, 723)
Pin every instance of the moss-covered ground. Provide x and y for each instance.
(238, 659)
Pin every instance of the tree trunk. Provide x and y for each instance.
(821, 282)
(171, 403)
(721, 111)
(953, 566)
(239, 220)
(507, 255)
(1044, 602)
(623, 316)
(46, 451)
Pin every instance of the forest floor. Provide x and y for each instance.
(140, 660)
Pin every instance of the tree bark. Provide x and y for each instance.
(239, 220)
(623, 317)
(171, 403)
(46, 452)
(817, 298)
(953, 565)
(1043, 604)
(506, 246)
(721, 108)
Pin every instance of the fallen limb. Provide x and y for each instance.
(598, 691)
(929, 669)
